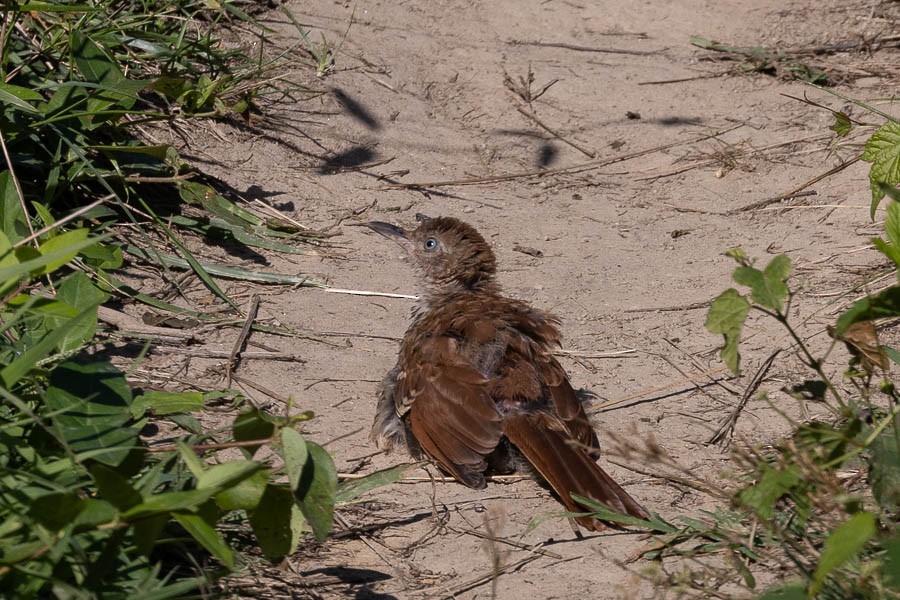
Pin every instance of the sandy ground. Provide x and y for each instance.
(629, 251)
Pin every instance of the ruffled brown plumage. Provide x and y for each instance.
(476, 378)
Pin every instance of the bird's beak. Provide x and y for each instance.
(392, 232)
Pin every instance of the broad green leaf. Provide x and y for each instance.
(91, 402)
(249, 425)
(295, 453)
(350, 490)
(767, 287)
(245, 494)
(884, 471)
(883, 151)
(30, 358)
(56, 510)
(208, 537)
(315, 494)
(726, 316)
(102, 256)
(168, 502)
(841, 125)
(277, 522)
(882, 305)
(66, 242)
(845, 542)
(225, 475)
(94, 513)
(114, 488)
(12, 220)
(167, 403)
(28, 261)
(78, 291)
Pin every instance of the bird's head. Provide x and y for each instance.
(448, 252)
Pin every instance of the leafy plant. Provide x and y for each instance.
(836, 537)
(87, 508)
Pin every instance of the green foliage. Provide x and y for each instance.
(87, 510)
(883, 151)
(729, 311)
(842, 543)
(726, 316)
(842, 125)
(845, 542)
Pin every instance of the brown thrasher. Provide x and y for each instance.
(476, 377)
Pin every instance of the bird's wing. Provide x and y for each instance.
(537, 336)
(448, 408)
(568, 406)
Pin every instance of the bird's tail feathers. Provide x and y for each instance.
(544, 441)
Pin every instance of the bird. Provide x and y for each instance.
(476, 387)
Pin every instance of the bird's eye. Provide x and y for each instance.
(431, 244)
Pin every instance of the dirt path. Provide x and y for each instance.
(418, 95)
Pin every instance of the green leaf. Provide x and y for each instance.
(892, 224)
(841, 125)
(249, 425)
(350, 490)
(56, 510)
(845, 542)
(277, 522)
(193, 462)
(91, 402)
(167, 403)
(883, 151)
(12, 220)
(208, 537)
(726, 316)
(25, 362)
(767, 287)
(245, 494)
(654, 523)
(19, 97)
(771, 485)
(889, 250)
(66, 242)
(882, 305)
(892, 564)
(295, 453)
(225, 475)
(202, 194)
(103, 256)
(884, 470)
(114, 488)
(78, 291)
(315, 493)
(169, 502)
(791, 591)
(147, 531)
(226, 271)
(94, 513)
